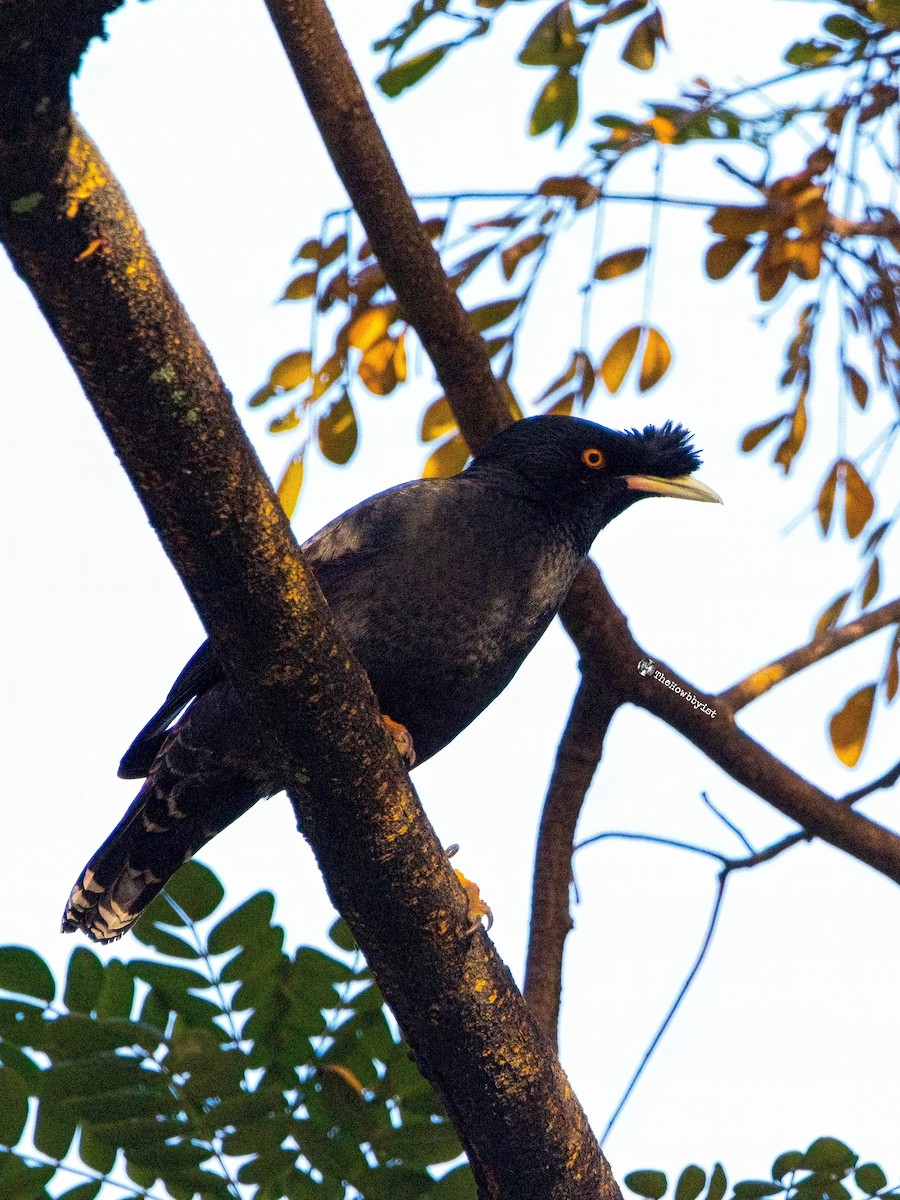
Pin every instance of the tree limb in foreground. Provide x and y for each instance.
(76, 242)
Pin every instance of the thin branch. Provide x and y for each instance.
(577, 759)
(726, 821)
(676, 1004)
(763, 680)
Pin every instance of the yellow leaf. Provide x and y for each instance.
(285, 423)
(562, 407)
(872, 584)
(656, 359)
(311, 249)
(561, 380)
(618, 358)
(371, 325)
(437, 420)
(664, 130)
(376, 368)
(623, 262)
(825, 503)
(722, 257)
(858, 385)
(261, 397)
(400, 357)
(849, 727)
(513, 255)
(337, 431)
(330, 371)
(290, 484)
(302, 287)
(831, 615)
(759, 433)
(449, 459)
(291, 371)
(859, 503)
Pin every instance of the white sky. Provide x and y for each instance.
(788, 1033)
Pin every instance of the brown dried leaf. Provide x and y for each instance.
(739, 220)
(332, 252)
(873, 582)
(759, 433)
(892, 672)
(618, 358)
(831, 615)
(825, 502)
(789, 448)
(859, 503)
(581, 190)
(723, 256)
(849, 727)
(858, 385)
(290, 484)
(513, 255)
(302, 287)
(656, 359)
(623, 262)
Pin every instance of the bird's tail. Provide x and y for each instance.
(162, 829)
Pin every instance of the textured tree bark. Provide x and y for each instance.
(72, 236)
(577, 760)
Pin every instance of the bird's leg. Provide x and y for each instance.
(402, 739)
(478, 908)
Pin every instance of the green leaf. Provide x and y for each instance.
(117, 993)
(845, 28)
(486, 316)
(554, 41)
(83, 1191)
(162, 940)
(640, 49)
(24, 972)
(240, 927)
(54, 1129)
(650, 1184)
(870, 1178)
(196, 890)
(397, 79)
(827, 1153)
(752, 1189)
(812, 53)
(691, 1183)
(786, 1163)
(718, 1183)
(84, 979)
(13, 1106)
(340, 934)
(557, 104)
(338, 432)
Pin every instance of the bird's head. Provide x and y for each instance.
(590, 474)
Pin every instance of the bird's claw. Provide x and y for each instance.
(477, 908)
(402, 739)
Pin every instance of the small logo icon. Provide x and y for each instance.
(645, 666)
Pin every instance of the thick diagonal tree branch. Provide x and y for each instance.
(591, 616)
(73, 238)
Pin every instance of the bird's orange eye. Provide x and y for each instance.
(592, 457)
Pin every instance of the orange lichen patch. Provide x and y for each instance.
(477, 908)
(90, 249)
(86, 174)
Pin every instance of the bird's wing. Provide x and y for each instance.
(201, 672)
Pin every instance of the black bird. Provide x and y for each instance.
(441, 587)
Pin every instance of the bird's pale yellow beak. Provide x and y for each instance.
(683, 486)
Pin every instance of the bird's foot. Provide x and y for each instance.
(402, 739)
(478, 908)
